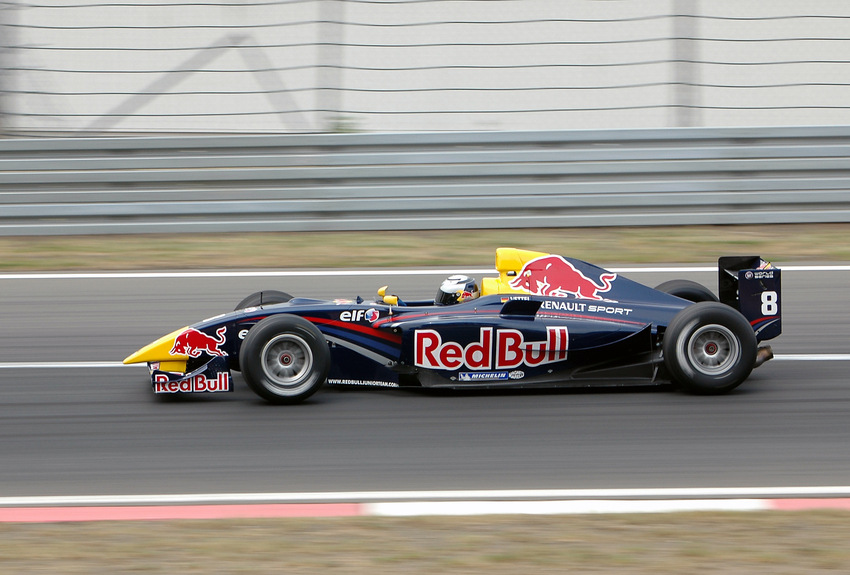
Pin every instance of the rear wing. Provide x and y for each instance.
(753, 286)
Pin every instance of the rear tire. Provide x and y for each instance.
(686, 289)
(267, 297)
(709, 348)
(284, 359)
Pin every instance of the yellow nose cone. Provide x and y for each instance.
(160, 350)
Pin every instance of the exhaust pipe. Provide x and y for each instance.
(764, 354)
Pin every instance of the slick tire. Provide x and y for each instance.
(709, 348)
(686, 289)
(285, 359)
(256, 299)
(267, 297)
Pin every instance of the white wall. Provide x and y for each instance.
(314, 65)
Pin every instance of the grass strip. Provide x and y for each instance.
(773, 543)
(689, 244)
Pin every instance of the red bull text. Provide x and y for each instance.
(193, 343)
(495, 349)
(555, 276)
(197, 384)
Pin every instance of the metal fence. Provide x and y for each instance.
(424, 181)
(271, 66)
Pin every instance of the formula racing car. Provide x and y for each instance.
(545, 320)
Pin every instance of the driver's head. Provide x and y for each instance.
(457, 289)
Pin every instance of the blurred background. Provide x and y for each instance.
(88, 67)
(363, 115)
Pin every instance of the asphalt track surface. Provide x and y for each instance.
(100, 431)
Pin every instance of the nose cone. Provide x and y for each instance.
(160, 350)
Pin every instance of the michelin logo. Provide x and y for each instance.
(490, 376)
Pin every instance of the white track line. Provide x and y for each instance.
(60, 364)
(360, 273)
(507, 495)
(116, 364)
(813, 357)
(561, 507)
(241, 274)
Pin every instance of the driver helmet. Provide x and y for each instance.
(457, 289)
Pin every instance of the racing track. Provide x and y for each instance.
(99, 430)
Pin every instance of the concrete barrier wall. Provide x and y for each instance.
(424, 181)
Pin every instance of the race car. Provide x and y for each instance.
(544, 321)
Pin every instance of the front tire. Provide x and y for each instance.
(257, 299)
(285, 359)
(709, 348)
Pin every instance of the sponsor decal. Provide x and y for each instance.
(370, 382)
(197, 384)
(499, 349)
(371, 315)
(193, 343)
(490, 375)
(582, 307)
(483, 376)
(758, 275)
(610, 310)
(555, 276)
(555, 305)
(516, 297)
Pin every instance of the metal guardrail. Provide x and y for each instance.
(69, 186)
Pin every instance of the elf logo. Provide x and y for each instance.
(494, 350)
(371, 315)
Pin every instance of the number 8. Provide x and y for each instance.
(769, 303)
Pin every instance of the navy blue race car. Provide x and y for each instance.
(546, 320)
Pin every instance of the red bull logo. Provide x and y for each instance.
(555, 276)
(501, 349)
(193, 343)
(197, 384)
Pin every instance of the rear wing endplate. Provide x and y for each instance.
(753, 286)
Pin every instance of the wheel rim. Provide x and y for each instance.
(287, 363)
(713, 350)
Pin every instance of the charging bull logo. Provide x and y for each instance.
(193, 343)
(555, 276)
